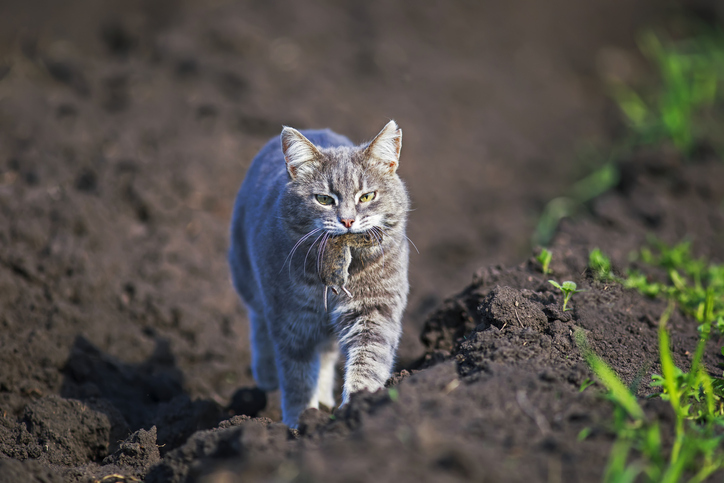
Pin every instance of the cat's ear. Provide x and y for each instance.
(384, 150)
(299, 152)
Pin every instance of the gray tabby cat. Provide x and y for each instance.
(300, 191)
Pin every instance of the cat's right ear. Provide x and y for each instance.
(299, 152)
(384, 150)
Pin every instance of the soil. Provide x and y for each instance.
(125, 130)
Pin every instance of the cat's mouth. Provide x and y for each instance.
(337, 231)
(370, 233)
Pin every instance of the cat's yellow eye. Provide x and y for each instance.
(367, 197)
(325, 199)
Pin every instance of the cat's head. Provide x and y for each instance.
(345, 189)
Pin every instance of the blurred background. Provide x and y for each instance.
(126, 128)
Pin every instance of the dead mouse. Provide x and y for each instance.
(336, 258)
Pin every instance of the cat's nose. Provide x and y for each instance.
(347, 222)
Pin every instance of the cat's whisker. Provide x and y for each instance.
(382, 231)
(310, 249)
(294, 248)
(413, 244)
(408, 239)
(320, 251)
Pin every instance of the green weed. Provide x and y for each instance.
(586, 384)
(698, 411)
(690, 73)
(682, 109)
(695, 284)
(544, 258)
(568, 288)
(600, 264)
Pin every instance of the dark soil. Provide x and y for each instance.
(125, 130)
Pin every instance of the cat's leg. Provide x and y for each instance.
(298, 376)
(297, 339)
(263, 361)
(369, 337)
(328, 355)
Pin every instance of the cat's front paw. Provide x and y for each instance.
(327, 401)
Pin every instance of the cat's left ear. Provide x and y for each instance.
(384, 150)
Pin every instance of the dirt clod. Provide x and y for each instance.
(136, 454)
(59, 431)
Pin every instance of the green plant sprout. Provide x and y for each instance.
(693, 396)
(696, 285)
(586, 384)
(544, 258)
(600, 264)
(568, 288)
(583, 434)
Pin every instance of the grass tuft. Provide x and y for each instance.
(683, 108)
(544, 258)
(696, 285)
(678, 109)
(600, 265)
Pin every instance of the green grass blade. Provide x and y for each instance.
(616, 470)
(596, 183)
(696, 360)
(619, 391)
(705, 380)
(674, 471)
(668, 369)
(706, 471)
(608, 377)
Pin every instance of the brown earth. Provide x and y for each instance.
(125, 130)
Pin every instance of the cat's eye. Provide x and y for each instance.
(325, 199)
(367, 197)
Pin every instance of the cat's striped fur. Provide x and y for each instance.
(278, 234)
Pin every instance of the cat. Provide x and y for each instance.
(302, 189)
